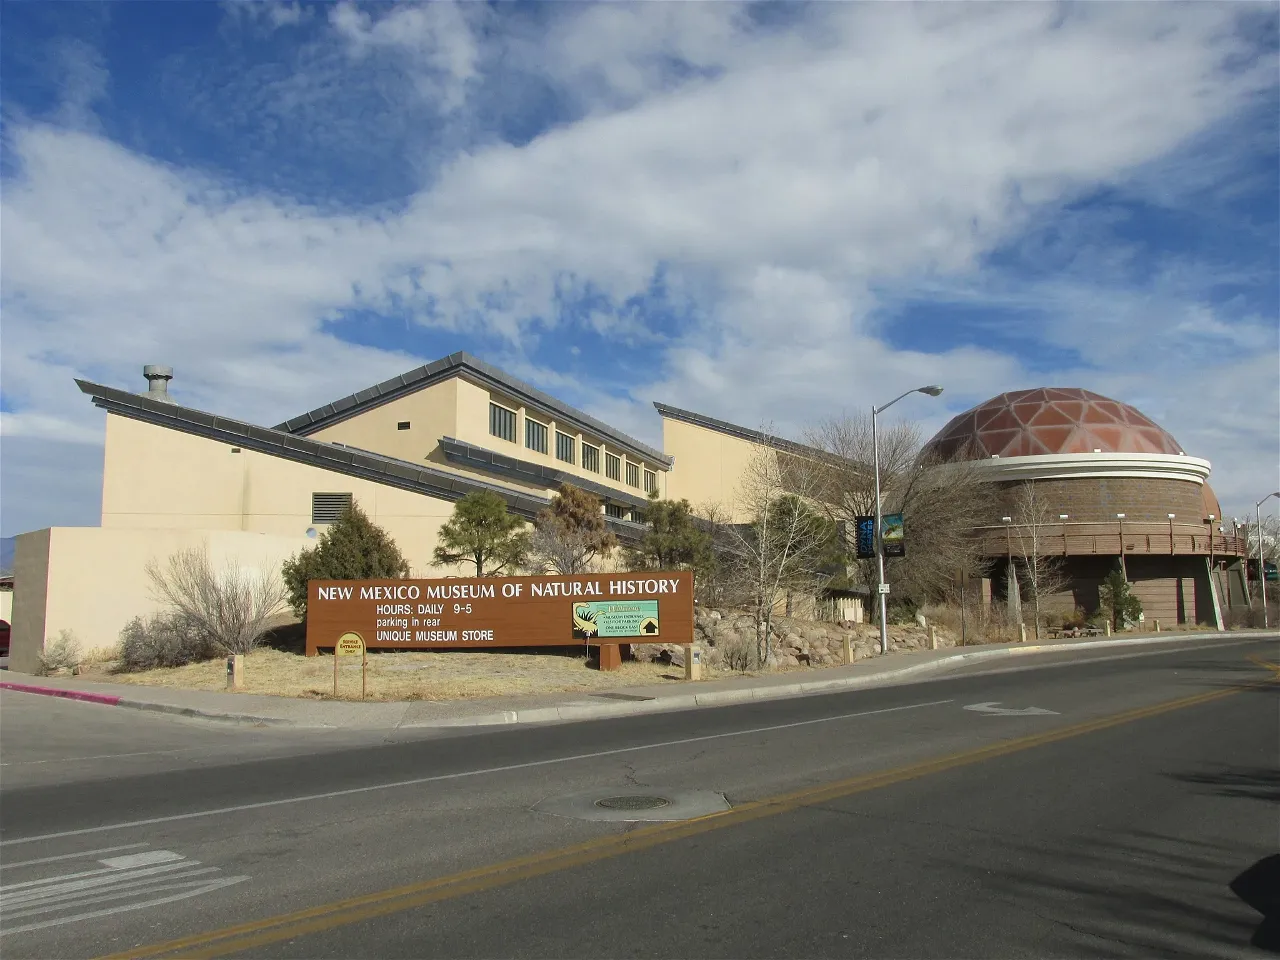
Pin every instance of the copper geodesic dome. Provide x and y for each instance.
(1051, 420)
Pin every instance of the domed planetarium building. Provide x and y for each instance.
(1111, 488)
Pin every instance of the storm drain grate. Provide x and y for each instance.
(633, 803)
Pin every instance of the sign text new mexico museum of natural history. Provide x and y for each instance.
(647, 607)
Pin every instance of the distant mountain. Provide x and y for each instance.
(6, 553)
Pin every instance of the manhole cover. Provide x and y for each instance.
(633, 803)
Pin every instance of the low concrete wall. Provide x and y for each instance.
(93, 580)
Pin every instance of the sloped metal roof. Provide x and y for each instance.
(486, 374)
(338, 458)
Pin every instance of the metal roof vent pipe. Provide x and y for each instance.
(158, 377)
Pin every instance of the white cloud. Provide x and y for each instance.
(782, 176)
(267, 15)
(434, 38)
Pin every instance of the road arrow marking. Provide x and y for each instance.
(992, 708)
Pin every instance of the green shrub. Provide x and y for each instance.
(162, 640)
(354, 548)
(1119, 603)
(903, 610)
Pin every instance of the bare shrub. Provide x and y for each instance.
(738, 652)
(232, 608)
(61, 653)
(162, 640)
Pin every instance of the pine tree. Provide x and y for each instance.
(353, 548)
(483, 533)
(1118, 600)
(571, 533)
(673, 541)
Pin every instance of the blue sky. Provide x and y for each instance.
(768, 213)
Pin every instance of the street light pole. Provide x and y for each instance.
(881, 586)
(1262, 561)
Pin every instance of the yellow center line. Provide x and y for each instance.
(1273, 667)
(247, 936)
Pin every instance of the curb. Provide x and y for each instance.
(685, 701)
(110, 700)
(102, 698)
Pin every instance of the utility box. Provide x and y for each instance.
(693, 662)
(235, 672)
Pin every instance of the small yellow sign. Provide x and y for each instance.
(349, 645)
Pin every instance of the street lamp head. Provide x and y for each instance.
(932, 390)
(1266, 498)
(1172, 515)
(1006, 519)
(1119, 516)
(1062, 516)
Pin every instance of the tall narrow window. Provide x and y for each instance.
(535, 435)
(328, 507)
(502, 422)
(612, 467)
(564, 447)
(633, 474)
(650, 481)
(590, 458)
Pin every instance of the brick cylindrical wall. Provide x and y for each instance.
(1098, 499)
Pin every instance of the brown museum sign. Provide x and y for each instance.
(602, 608)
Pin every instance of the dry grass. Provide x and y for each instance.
(405, 675)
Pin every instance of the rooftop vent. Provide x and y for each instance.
(158, 377)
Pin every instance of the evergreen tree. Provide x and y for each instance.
(571, 533)
(353, 548)
(483, 533)
(674, 541)
(1118, 600)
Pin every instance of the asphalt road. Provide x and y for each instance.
(889, 822)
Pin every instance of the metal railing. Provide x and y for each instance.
(1086, 538)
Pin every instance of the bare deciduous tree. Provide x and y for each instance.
(233, 608)
(785, 543)
(1042, 574)
(941, 501)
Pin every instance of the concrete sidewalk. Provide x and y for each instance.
(263, 710)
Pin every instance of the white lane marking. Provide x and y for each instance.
(992, 708)
(133, 887)
(210, 887)
(72, 856)
(122, 884)
(418, 781)
(141, 859)
(120, 892)
(74, 882)
(100, 756)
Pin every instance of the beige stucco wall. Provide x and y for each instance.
(161, 479)
(93, 580)
(473, 428)
(709, 465)
(432, 413)
(459, 408)
(6, 606)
